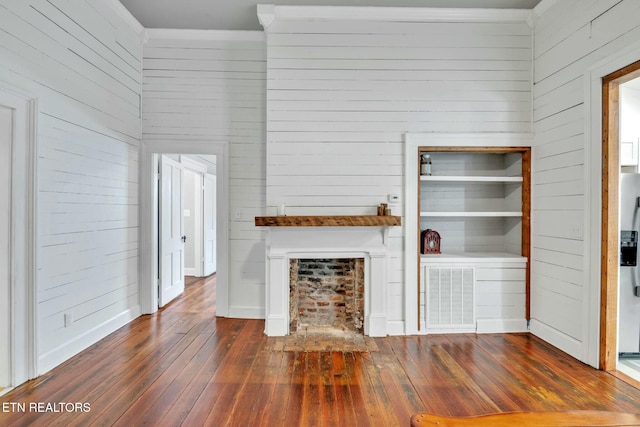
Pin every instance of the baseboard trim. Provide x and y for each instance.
(64, 352)
(556, 338)
(489, 326)
(395, 327)
(240, 312)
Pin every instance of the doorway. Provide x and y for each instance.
(611, 218)
(6, 142)
(199, 189)
(187, 222)
(18, 342)
(150, 153)
(629, 220)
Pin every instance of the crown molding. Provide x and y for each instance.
(268, 13)
(540, 9)
(179, 34)
(127, 17)
(544, 6)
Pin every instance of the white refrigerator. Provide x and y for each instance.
(629, 286)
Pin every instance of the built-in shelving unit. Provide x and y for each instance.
(478, 199)
(473, 199)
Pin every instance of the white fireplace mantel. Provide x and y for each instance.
(285, 243)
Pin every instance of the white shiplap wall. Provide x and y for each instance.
(211, 86)
(82, 61)
(571, 36)
(342, 94)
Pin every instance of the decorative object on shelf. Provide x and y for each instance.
(383, 209)
(425, 164)
(430, 242)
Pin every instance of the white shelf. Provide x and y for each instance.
(470, 214)
(469, 178)
(472, 257)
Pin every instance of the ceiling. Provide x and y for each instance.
(241, 14)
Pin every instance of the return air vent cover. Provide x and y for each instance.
(450, 298)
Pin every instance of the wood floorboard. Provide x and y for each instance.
(339, 382)
(329, 397)
(412, 363)
(256, 393)
(441, 380)
(402, 395)
(487, 375)
(234, 375)
(293, 410)
(356, 386)
(274, 415)
(310, 414)
(192, 388)
(183, 366)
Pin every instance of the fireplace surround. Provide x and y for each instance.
(287, 242)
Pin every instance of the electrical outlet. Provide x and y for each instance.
(238, 214)
(68, 319)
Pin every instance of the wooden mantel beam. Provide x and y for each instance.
(328, 221)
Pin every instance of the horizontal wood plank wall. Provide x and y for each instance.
(570, 37)
(82, 62)
(214, 89)
(341, 95)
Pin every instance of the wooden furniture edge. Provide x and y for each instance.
(529, 419)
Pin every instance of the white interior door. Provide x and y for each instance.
(6, 137)
(192, 183)
(171, 231)
(209, 224)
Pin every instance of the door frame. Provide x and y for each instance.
(23, 299)
(610, 211)
(214, 178)
(149, 152)
(600, 296)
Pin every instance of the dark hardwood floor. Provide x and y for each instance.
(184, 366)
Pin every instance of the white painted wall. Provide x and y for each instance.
(211, 85)
(342, 94)
(82, 60)
(571, 37)
(6, 137)
(629, 113)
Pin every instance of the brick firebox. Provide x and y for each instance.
(327, 292)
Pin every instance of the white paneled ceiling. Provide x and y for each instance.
(241, 14)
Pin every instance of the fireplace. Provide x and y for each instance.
(326, 292)
(291, 238)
